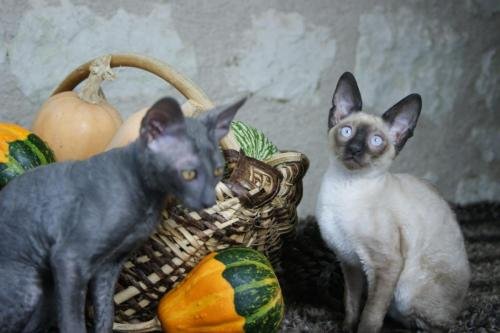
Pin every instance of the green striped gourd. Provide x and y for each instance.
(20, 150)
(232, 290)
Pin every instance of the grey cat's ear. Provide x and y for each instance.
(219, 119)
(346, 99)
(402, 119)
(163, 118)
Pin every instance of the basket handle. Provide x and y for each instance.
(195, 96)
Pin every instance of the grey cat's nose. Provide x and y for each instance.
(208, 198)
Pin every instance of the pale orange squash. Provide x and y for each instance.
(129, 130)
(78, 126)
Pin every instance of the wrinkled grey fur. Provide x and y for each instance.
(66, 228)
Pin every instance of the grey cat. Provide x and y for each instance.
(67, 228)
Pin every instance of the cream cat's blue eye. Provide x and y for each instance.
(376, 140)
(346, 131)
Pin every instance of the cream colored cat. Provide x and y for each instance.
(392, 232)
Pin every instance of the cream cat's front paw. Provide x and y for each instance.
(348, 326)
(351, 319)
(369, 326)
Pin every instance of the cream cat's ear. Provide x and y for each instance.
(402, 119)
(346, 99)
(163, 118)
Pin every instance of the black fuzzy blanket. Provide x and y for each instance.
(313, 287)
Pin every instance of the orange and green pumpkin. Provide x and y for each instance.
(20, 150)
(232, 290)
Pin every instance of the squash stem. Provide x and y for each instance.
(148, 326)
(100, 70)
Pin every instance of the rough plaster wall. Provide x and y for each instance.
(287, 55)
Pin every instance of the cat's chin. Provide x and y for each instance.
(196, 205)
(193, 206)
(352, 164)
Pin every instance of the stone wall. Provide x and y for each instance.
(287, 55)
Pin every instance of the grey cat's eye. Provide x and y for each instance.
(188, 174)
(218, 172)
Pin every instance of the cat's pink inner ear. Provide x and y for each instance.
(339, 116)
(155, 129)
(163, 117)
(398, 128)
(346, 99)
(395, 136)
(402, 118)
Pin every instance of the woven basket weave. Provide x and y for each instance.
(256, 207)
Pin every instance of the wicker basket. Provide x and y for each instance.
(256, 207)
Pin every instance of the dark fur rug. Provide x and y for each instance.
(313, 286)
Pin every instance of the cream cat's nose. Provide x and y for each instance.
(354, 148)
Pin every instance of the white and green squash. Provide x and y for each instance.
(252, 141)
